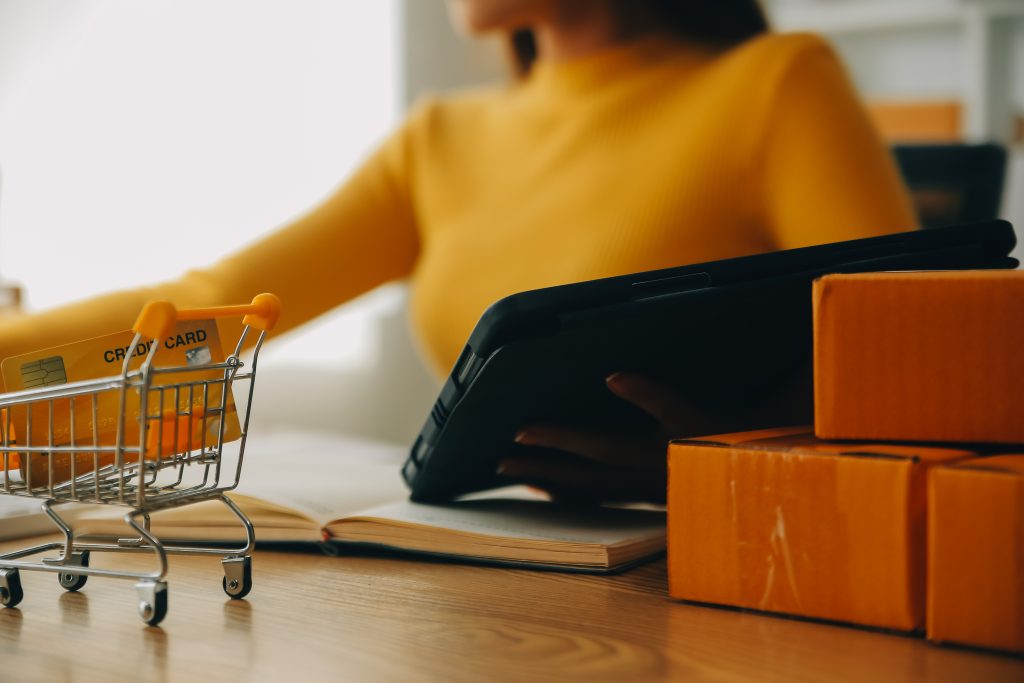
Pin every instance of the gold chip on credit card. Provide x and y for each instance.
(43, 373)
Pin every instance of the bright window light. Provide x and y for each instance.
(142, 138)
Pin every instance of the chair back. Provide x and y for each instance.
(953, 183)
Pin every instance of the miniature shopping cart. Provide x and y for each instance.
(163, 447)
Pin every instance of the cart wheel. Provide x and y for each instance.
(10, 588)
(70, 581)
(152, 601)
(237, 581)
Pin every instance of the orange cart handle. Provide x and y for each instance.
(158, 318)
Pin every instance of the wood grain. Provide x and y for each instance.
(382, 618)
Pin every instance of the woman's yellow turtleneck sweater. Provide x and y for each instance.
(650, 155)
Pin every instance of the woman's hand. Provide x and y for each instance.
(596, 465)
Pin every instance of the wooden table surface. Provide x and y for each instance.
(312, 617)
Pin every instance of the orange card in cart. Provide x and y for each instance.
(180, 419)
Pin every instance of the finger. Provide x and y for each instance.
(611, 448)
(677, 415)
(572, 478)
(570, 496)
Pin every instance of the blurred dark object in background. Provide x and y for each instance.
(953, 183)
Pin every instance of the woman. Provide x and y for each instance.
(639, 135)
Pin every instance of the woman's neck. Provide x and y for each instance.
(577, 28)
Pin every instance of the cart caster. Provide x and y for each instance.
(10, 588)
(237, 580)
(152, 601)
(70, 581)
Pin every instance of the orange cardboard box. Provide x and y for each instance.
(780, 521)
(927, 356)
(918, 121)
(976, 553)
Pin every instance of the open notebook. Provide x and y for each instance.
(323, 488)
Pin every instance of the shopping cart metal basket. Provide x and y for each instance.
(165, 447)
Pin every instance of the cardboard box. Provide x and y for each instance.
(928, 356)
(918, 121)
(976, 553)
(777, 520)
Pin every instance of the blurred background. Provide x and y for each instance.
(139, 138)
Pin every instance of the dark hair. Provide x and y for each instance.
(719, 23)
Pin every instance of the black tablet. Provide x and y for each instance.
(732, 336)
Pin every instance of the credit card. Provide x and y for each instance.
(184, 405)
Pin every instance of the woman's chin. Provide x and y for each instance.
(482, 17)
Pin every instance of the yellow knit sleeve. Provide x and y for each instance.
(824, 172)
(362, 235)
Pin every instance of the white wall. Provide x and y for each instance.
(436, 58)
(198, 125)
(904, 63)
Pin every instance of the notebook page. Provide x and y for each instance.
(535, 520)
(320, 475)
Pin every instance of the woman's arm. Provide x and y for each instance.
(361, 236)
(824, 173)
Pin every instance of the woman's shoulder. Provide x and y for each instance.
(782, 47)
(771, 57)
(773, 63)
(463, 104)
